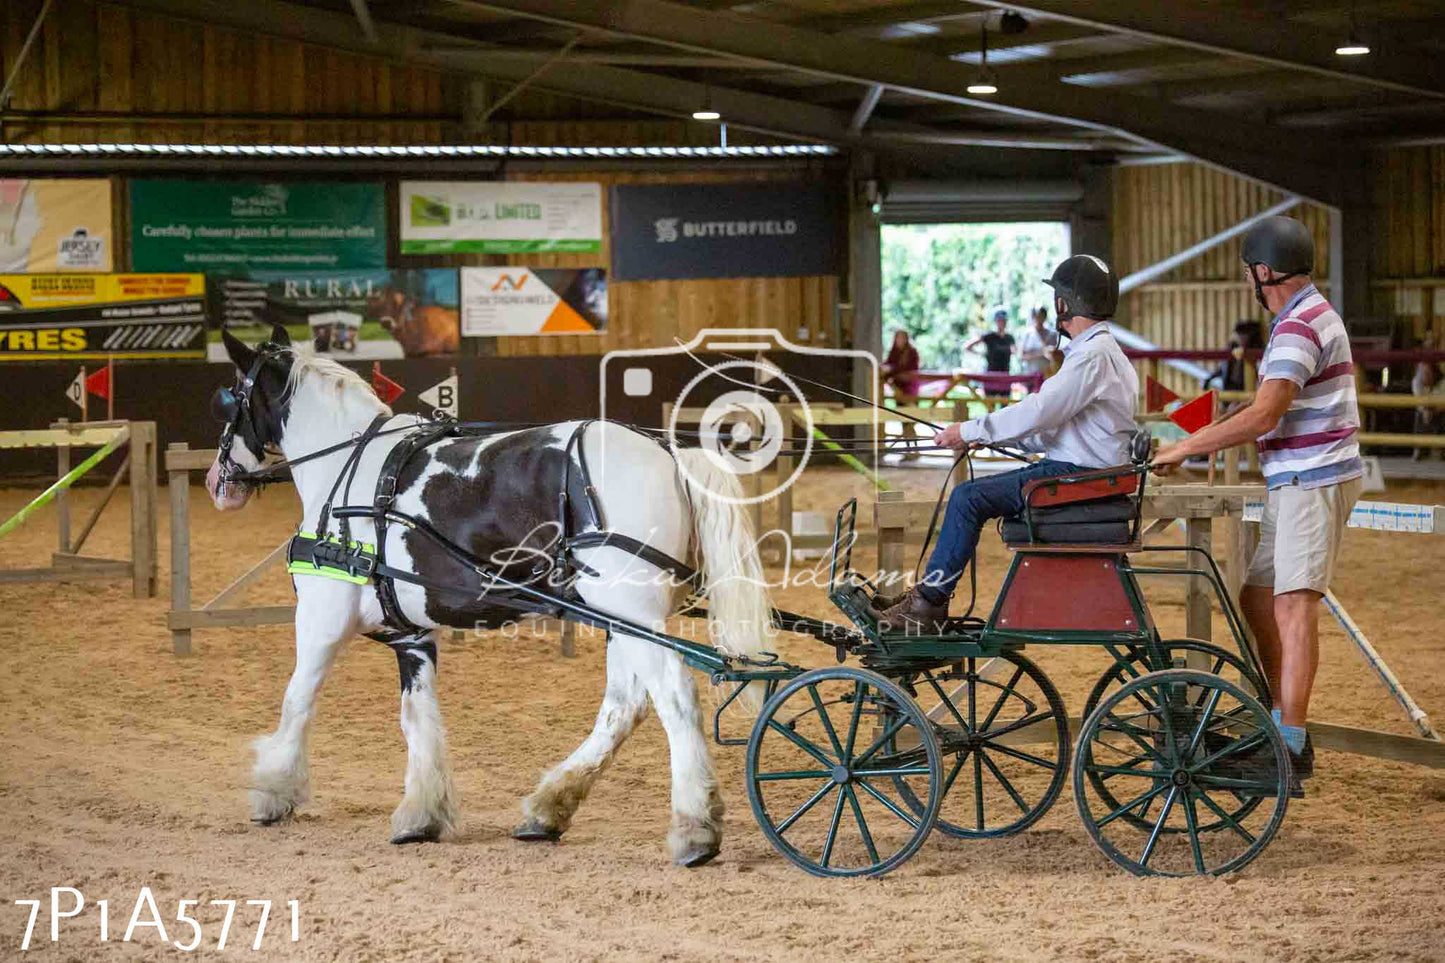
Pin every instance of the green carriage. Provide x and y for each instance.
(1177, 767)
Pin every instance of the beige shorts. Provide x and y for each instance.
(1300, 536)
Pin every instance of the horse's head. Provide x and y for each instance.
(253, 413)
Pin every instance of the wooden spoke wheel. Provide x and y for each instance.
(1004, 735)
(1175, 652)
(1181, 763)
(826, 757)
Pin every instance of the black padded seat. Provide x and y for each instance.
(1099, 521)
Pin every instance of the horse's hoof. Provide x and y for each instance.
(428, 835)
(272, 820)
(698, 857)
(534, 832)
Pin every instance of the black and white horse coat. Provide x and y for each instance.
(496, 497)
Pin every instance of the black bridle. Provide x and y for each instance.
(232, 407)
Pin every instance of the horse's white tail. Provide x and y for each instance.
(739, 612)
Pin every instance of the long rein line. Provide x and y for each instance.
(892, 412)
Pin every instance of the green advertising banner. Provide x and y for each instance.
(219, 225)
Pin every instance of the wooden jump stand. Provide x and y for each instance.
(67, 564)
(182, 619)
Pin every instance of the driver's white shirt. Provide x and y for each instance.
(1083, 415)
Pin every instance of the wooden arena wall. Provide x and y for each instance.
(105, 73)
(1162, 209)
(1407, 196)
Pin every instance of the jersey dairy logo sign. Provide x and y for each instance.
(81, 251)
(666, 229)
(54, 226)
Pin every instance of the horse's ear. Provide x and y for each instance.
(241, 356)
(280, 335)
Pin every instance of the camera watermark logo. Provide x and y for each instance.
(751, 416)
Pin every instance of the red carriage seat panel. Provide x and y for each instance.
(1052, 591)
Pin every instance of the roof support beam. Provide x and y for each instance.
(1159, 268)
(363, 17)
(865, 108)
(598, 83)
(1241, 33)
(1209, 136)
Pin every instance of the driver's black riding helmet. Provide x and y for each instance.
(1088, 287)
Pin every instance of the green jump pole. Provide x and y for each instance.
(65, 482)
(848, 460)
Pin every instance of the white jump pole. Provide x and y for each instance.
(1416, 714)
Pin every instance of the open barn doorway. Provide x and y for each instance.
(944, 286)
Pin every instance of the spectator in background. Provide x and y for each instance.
(901, 368)
(1427, 381)
(901, 371)
(1037, 344)
(1248, 336)
(998, 350)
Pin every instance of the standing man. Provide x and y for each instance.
(1037, 343)
(998, 349)
(1306, 419)
(1082, 417)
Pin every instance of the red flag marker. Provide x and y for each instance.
(1156, 396)
(1195, 415)
(386, 389)
(99, 383)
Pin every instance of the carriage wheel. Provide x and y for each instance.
(1191, 762)
(997, 779)
(823, 763)
(1222, 663)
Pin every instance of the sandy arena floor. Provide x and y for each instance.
(122, 766)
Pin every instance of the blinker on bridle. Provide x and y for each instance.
(232, 407)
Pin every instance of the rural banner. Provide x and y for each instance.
(500, 217)
(723, 231)
(517, 300)
(366, 315)
(55, 225)
(53, 316)
(237, 225)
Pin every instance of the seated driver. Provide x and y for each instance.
(1082, 418)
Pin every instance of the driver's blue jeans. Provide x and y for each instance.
(970, 507)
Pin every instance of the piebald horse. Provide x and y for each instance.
(491, 495)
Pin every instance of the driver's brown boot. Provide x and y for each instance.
(914, 615)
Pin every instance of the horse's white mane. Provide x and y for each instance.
(325, 375)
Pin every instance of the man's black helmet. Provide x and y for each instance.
(1282, 244)
(1088, 287)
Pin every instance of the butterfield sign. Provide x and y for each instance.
(55, 316)
(723, 230)
(522, 301)
(236, 225)
(500, 217)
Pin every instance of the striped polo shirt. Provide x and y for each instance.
(1315, 444)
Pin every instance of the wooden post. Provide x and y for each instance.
(1233, 534)
(143, 508)
(569, 640)
(785, 465)
(891, 548)
(62, 498)
(1197, 607)
(180, 486)
(1251, 383)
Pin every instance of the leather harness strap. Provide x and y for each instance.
(342, 558)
